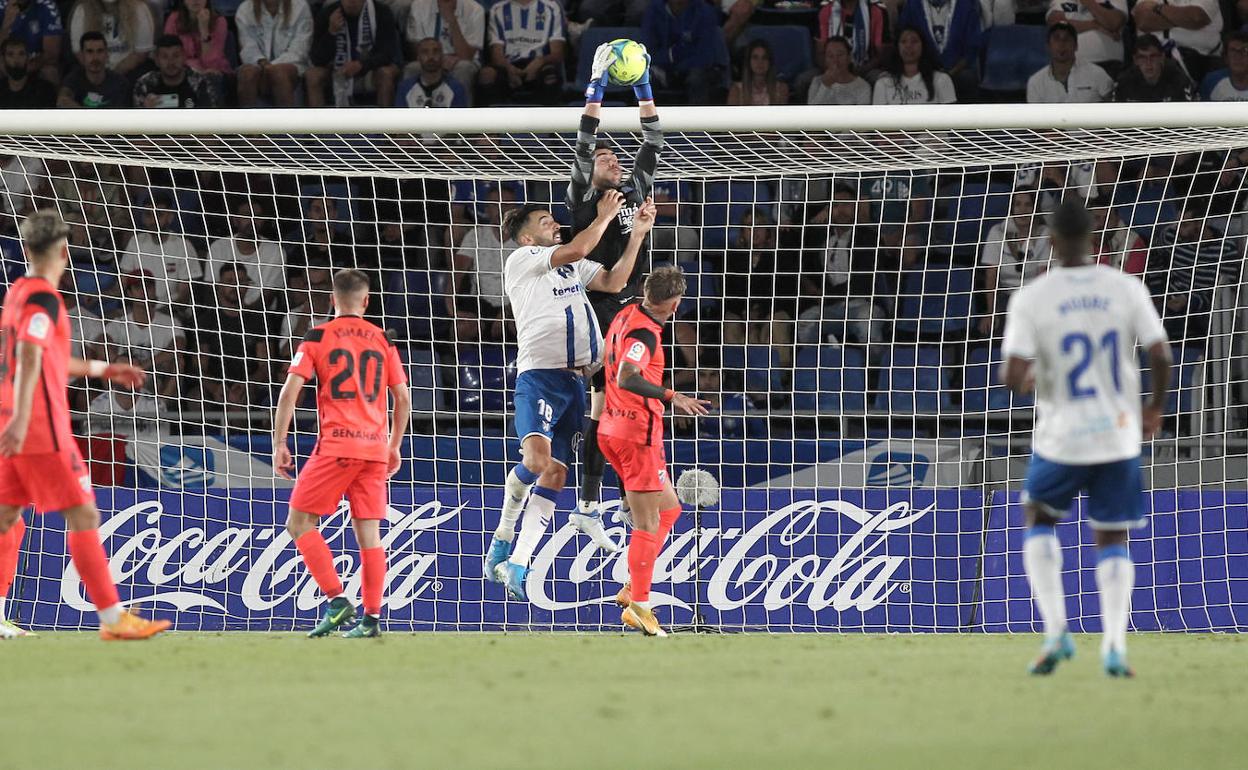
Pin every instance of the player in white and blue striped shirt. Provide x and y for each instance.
(560, 342)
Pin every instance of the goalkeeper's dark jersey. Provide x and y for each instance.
(583, 202)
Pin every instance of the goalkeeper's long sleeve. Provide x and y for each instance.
(647, 161)
(583, 164)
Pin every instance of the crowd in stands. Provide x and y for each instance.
(460, 53)
(210, 280)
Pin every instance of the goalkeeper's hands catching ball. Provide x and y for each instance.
(599, 78)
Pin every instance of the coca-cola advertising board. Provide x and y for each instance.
(778, 560)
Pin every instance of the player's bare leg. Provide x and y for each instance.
(373, 564)
(303, 529)
(12, 530)
(1042, 560)
(650, 509)
(588, 518)
(552, 475)
(1115, 578)
(88, 557)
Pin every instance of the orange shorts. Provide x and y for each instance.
(54, 481)
(324, 480)
(642, 468)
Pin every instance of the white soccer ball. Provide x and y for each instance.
(698, 488)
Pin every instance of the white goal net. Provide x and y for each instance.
(848, 272)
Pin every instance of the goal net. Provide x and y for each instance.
(848, 278)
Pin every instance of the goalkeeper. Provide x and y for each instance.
(597, 169)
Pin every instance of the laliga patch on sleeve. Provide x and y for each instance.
(636, 352)
(297, 359)
(39, 326)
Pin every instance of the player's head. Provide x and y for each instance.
(45, 237)
(607, 170)
(350, 292)
(93, 52)
(1070, 231)
(531, 225)
(15, 58)
(664, 288)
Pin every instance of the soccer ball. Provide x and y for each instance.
(630, 62)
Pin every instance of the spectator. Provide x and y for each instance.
(128, 30)
(758, 85)
(687, 50)
(998, 13)
(862, 26)
(322, 241)
(203, 33)
(459, 28)
(1186, 262)
(161, 250)
(758, 291)
(234, 359)
(355, 52)
(149, 331)
(1154, 77)
(1100, 24)
(1067, 79)
(737, 14)
(261, 259)
(1195, 26)
(479, 262)
(951, 30)
(1114, 243)
(23, 90)
(119, 411)
(308, 305)
(37, 23)
(1230, 84)
(913, 75)
(838, 84)
(173, 85)
(673, 235)
(94, 84)
(432, 87)
(526, 52)
(1015, 251)
(846, 288)
(273, 39)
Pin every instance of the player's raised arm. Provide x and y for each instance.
(587, 134)
(585, 241)
(283, 463)
(647, 161)
(616, 278)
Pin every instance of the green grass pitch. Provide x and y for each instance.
(253, 700)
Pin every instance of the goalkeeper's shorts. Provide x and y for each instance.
(323, 480)
(641, 468)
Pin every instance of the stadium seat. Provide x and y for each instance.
(725, 203)
(913, 381)
(1185, 379)
(790, 48)
(936, 300)
(339, 193)
(830, 379)
(982, 387)
(1012, 54)
(422, 371)
(763, 371)
(590, 40)
(702, 287)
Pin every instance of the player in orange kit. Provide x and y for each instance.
(356, 451)
(631, 433)
(39, 460)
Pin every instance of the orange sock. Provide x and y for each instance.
(10, 546)
(666, 520)
(643, 547)
(320, 562)
(374, 560)
(92, 564)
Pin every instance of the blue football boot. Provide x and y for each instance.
(1052, 653)
(1115, 664)
(513, 576)
(499, 551)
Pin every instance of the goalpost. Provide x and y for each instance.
(849, 270)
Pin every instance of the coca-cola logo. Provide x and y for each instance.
(844, 565)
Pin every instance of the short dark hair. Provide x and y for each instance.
(90, 35)
(350, 281)
(1071, 220)
(232, 267)
(168, 41)
(12, 42)
(42, 230)
(1063, 26)
(1146, 43)
(834, 39)
(515, 220)
(1237, 36)
(665, 283)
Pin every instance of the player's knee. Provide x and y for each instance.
(81, 518)
(8, 517)
(1039, 515)
(1107, 537)
(298, 524)
(554, 477)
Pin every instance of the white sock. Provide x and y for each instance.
(537, 516)
(513, 502)
(643, 605)
(3, 602)
(110, 615)
(1115, 577)
(1042, 559)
